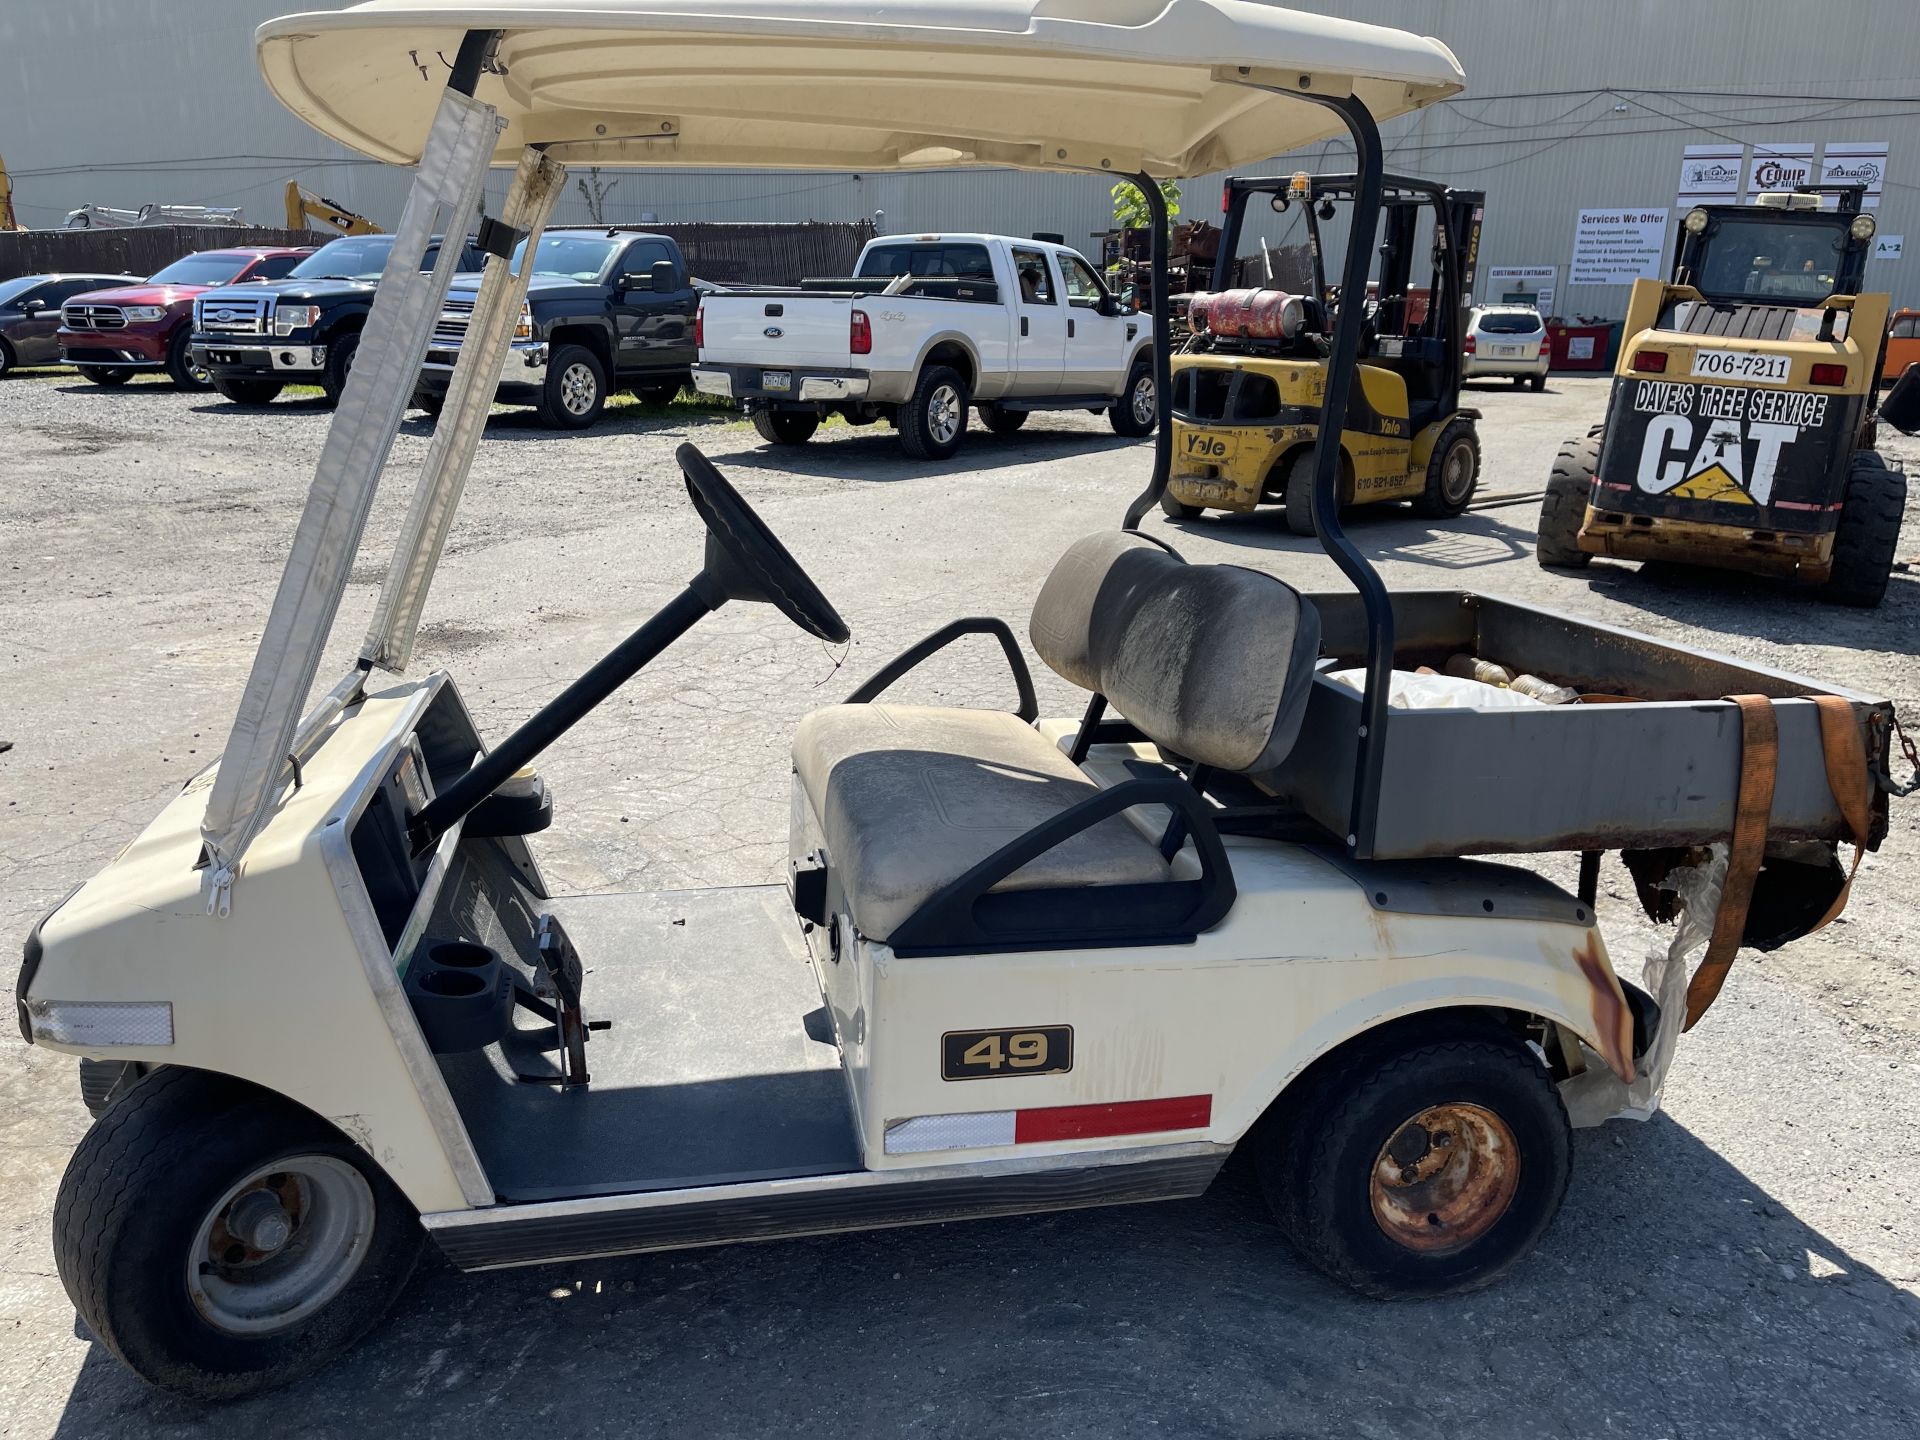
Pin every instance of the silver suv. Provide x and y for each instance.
(1507, 340)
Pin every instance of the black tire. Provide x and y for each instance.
(1135, 413)
(180, 366)
(430, 402)
(786, 427)
(933, 421)
(1564, 510)
(146, 1178)
(1299, 492)
(1002, 422)
(1319, 1156)
(1519, 382)
(333, 379)
(6, 357)
(657, 392)
(1453, 473)
(248, 392)
(1178, 509)
(1869, 532)
(110, 376)
(575, 391)
(1538, 383)
(104, 1081)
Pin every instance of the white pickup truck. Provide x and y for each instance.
(929, 327)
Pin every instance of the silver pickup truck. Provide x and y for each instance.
(929, 327)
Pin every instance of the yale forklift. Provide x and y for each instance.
(1741, 429)
(1249, 388)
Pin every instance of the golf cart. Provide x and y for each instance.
(1017, 965)
(1249, 386)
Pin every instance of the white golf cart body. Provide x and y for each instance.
(245, 932)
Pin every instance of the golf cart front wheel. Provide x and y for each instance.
(222, 1241)
(1421, 1165)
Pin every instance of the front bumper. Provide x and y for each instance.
(119, 349)
(257, 358)
(807, 383)
(525, 367)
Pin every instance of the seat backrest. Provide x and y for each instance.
(1213, 662)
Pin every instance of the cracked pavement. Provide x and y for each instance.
(1745, 1264)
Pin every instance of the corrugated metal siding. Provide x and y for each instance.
(172, 109)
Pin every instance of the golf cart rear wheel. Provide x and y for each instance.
(1420, 1166)
(1453, 473)
(786, 427)
(934, 419)
(221, 1240)
(1869, 532)
(1000, 421)
(1137, 411)
(1564, 510)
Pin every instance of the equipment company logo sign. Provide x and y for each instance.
(1719, 442)
(1856, 162)
(1780, 167)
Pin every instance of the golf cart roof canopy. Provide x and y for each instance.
(1168, 87)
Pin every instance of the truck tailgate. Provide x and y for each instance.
(776, 331)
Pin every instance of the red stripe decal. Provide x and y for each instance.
(1613, 485)
(1129, 1117)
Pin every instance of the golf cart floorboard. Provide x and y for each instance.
(719, 1067)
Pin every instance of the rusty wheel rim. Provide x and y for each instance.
(1444, 1178)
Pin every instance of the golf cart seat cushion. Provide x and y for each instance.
(1212, 662)
(910, 798)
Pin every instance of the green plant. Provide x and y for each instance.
(1130, 206)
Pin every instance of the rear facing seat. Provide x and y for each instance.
(1212, 662)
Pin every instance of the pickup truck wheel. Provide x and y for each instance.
(1137, 412)
(576, 389)
(934, 418)
(333, 379)
(657, 392)
(107, 375)
(1869, 532)
(1419, 1165)
(428, 401)
(1564, 511)
(786, 427)
(247, 392)
(1453, 473)
(1002, 422)
(186, 372)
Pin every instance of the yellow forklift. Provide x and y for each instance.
(1741, 429)
(1249, 386)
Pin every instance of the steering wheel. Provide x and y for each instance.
(746, 559)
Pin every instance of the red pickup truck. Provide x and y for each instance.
(111, 335)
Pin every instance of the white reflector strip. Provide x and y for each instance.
(107, 1022)
(950, 1132)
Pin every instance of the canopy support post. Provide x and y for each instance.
(448, 182)
(1370, 753)
(1162, 242)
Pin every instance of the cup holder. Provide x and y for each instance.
(461, 993)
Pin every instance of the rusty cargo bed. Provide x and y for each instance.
(1659, 770)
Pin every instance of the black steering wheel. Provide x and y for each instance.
(746, 559)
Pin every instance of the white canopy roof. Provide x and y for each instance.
(1115, 85)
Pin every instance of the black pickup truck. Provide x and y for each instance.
(255, 340)
(606, 309)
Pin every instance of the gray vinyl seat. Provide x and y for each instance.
(1212, 662)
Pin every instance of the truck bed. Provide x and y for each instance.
(1660, 768)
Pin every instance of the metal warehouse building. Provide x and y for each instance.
(1572, 106)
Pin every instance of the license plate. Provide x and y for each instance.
(1739, 365)
(1506, 349)
(776, 380)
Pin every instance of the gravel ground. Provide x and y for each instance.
(1745, 1264)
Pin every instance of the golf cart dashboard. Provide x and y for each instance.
(393, 875)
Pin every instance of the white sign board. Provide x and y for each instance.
(1532, 284)
(1856, 162)
(1780, 167)
(1887, 247)
(1617, 247)
(1710, 175)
